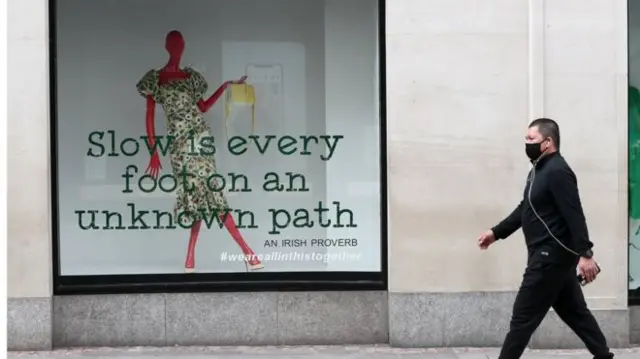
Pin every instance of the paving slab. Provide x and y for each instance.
(302, 352)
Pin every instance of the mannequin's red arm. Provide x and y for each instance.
(205, 105)
(150, 120)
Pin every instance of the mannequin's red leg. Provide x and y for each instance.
(190, 263)
(253, 263)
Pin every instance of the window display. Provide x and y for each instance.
(634, 150)
(634, 188)
(191, 142)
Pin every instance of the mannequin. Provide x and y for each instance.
(181, 91)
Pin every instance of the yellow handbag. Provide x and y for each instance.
(239, 94)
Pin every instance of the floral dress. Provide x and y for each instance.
(199, 191)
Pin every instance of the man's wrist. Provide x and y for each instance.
(496, 232)
(588, 254)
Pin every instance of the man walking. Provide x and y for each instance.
(555, 230)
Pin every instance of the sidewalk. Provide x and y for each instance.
(325, 352)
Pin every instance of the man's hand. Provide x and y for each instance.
(588, 269)
(486, 239)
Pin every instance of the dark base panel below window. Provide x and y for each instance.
(220, 282)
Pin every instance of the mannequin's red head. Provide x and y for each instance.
(175, 43)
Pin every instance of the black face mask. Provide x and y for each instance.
(533, 150)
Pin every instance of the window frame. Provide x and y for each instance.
(216, 282)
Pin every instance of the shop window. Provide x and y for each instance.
(218, 144)
(634, 152)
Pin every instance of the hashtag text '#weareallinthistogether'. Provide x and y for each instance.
(291, 256)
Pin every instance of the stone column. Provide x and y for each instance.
(29, 177)
(463, 83)
(585, 88)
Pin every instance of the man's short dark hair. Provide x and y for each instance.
(548, 128)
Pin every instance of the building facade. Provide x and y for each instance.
(360, 145)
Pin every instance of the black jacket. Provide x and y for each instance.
(554, 197)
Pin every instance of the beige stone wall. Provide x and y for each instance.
(29, 214)
(464, 81)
